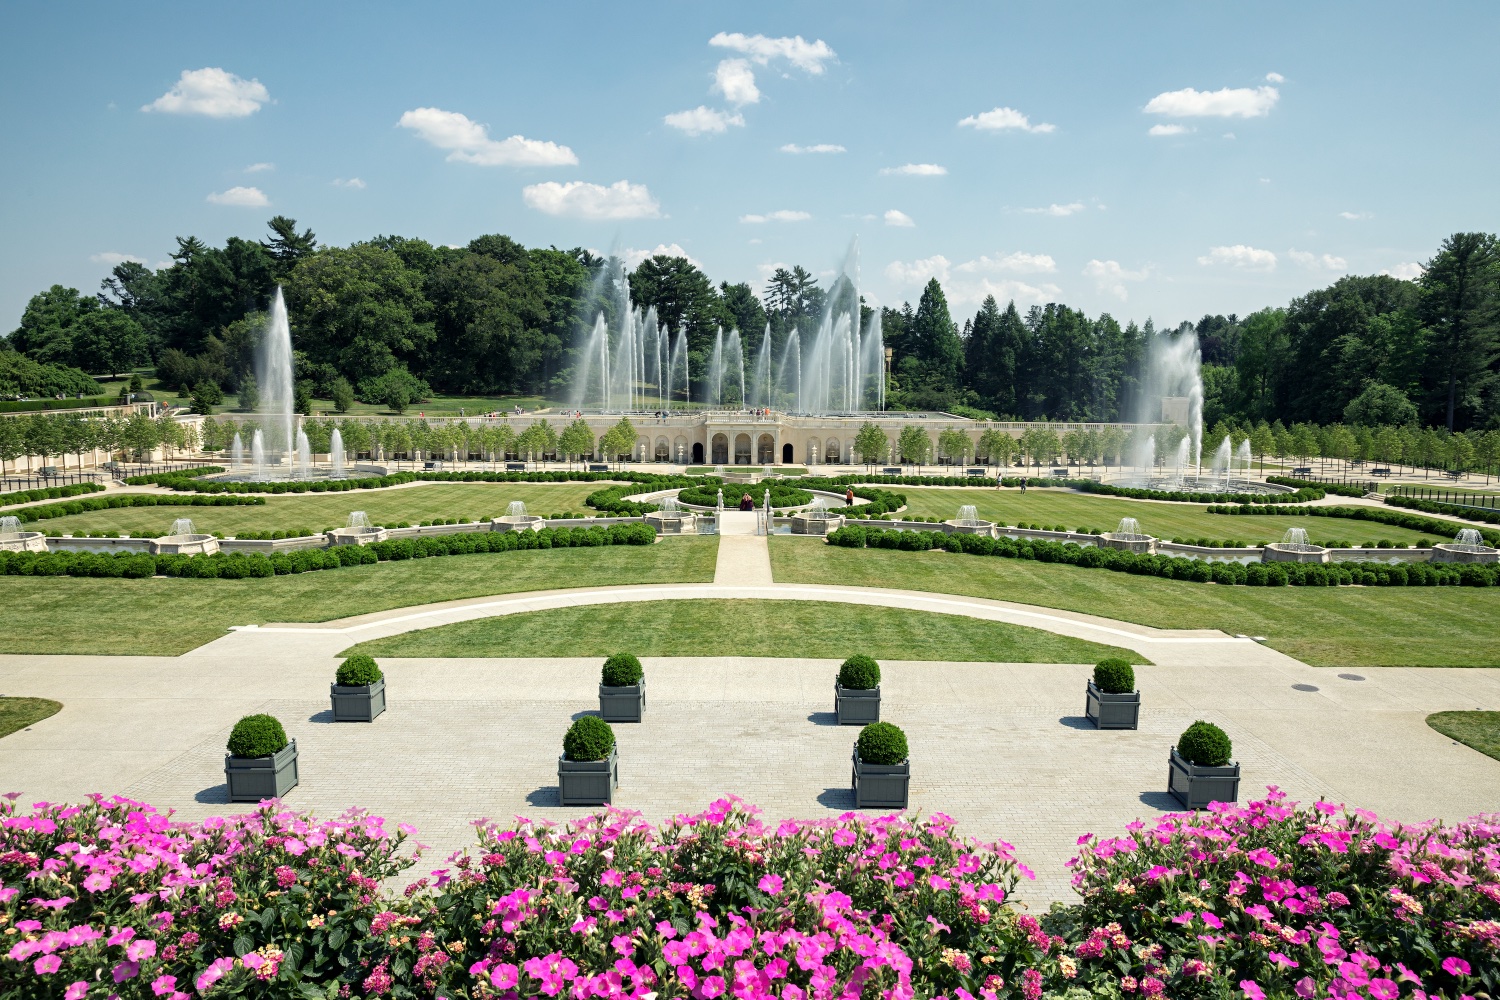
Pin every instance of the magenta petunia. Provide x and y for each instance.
(1455, 966)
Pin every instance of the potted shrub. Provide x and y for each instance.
(1200, 767)
(856, 693)
(1112, 702)
(588, 772)
(882, 769)
(358, 690)
(261, 762)
(622, 689)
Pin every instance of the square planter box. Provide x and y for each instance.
(856, 707)
(1112, 711)
(357, 704)
(880, 786)
(1195, 787)
(626, 703)
(588, 782)
(254, 778)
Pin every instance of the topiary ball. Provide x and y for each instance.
(860, 672)
(881, 743)
(257, 736)
(1205, 744)
(622, 670)
(588, 738)
(1114, 676)
(357, 671)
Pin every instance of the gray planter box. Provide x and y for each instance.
(854, 706)
(626, 703)
(251, 779)
(357, 704)
(588, 782)
(881, 786)
(1195, 786)
(1112, 711)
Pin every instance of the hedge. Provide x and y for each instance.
(49, 493)
(48, 511)
(1306, 493)
(1337, 489)
(241, 565)
(165, 478)
(1444, 529)
(1453, 509)
(1175, 567)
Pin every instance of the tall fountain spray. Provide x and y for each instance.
(237, 452)
(1242, 458)
(258, 454)
(304, 454)
(1172, 389)
(336, 453)
(274, 376)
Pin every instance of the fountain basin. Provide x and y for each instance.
(971, 527)
(672, 522)
(23, 541)
(815, 522)
(357, 536)
(184, 545)
(1453, 552)
(517, 522)
(1143, 544)
(1293, 552)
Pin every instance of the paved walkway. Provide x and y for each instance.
(744, 556)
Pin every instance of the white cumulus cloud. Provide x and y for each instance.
(822, 147)
(736, 81)
(582, 200)
(918, 272)
(1318, 262)
(1110, 276)
(1275, 78)
(1167, 130)
(703, 120)
(1355, 216)
(1408, 271)
(1019, 262)
(111, 258)
(915, 170)
(781, 215)
(259, 168)
(242, 197)
(967, 284)
(213, 92)
(633, 257)
(805, 55)
(468, 141)
(896, 217)
(352, 182)
(999, 119)
(1071, 208)
(1230, 102)
(1242, 256)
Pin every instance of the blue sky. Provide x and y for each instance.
(1006, 148)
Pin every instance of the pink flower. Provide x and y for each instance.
(1305, 988)
(216, 971)
(76, 991)
(126, 970)
(1455, 966)
(1282, 961)
(770, 883)
(163, 985)
(1384, 989)
(139, 950)
(712, 986)
(504, 976)
(96, 882)
(46, 965)
(1252, 990)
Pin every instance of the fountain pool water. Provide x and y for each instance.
(968, 515)
(516, 508)
(1130, 529)
(670, 505)
(10, 526)
(1296, 540)
(516, 518)
(180, 527)
(13, 539)
(359, 519)
(182, 539)
(1469, 540)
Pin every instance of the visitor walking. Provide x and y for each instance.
(746, 503)
(849, 497)
(1023, 484)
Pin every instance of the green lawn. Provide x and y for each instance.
(760, 628)
(1324, 626)
(18, 713)
(1480, 730)
(1164, 520)
(318, 511)
(165, 617)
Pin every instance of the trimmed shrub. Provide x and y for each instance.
(257, 736)
(1114, 676)
(860, 672)
(358, 670)
(881, 743)
(588, 738)
(622, 670)
(1205, 744)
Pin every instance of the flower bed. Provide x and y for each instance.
(110, 897)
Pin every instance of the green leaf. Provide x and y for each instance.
(244, 944)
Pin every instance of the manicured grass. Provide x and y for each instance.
(1052, 507)
(1480, 730)
(319, 511)
(1323, 626)
(165, 617)
(760, 628)
(18, 713)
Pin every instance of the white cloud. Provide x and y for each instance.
(633, 257)
(703, 120)
(1356, 216)
(918, 272)
(259, 168)
(999, 119)
(581, 200)
(805, 55)
(736, 81)
(1109, 276)
(1019, 262)
(242, 197)
(469, 142)
(111, 258)
(1241, 256)
(1228, 135)
(962, 287)
(1318, 262)
(353, 182)
(1275, 78)
(768, 269)
(915, 170)
(781, 215)
(1409, 271)
(1072, 208)
(1230, 102)
(822, 147)
(213, 92)
(1167, 130)
(895, 217)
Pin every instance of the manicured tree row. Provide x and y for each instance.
(189, 481)
(1453, 509)
(1443, 529)
(1176, 567)
(50, 493)
(47, 511)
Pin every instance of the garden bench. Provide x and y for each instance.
(1379, 471)
(1302, 470)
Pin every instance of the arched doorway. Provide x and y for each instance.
(831, 452)
(765, 450)
(721, 449)
(742, 449)
(697, 452)
(663, 450)
(786, 454)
